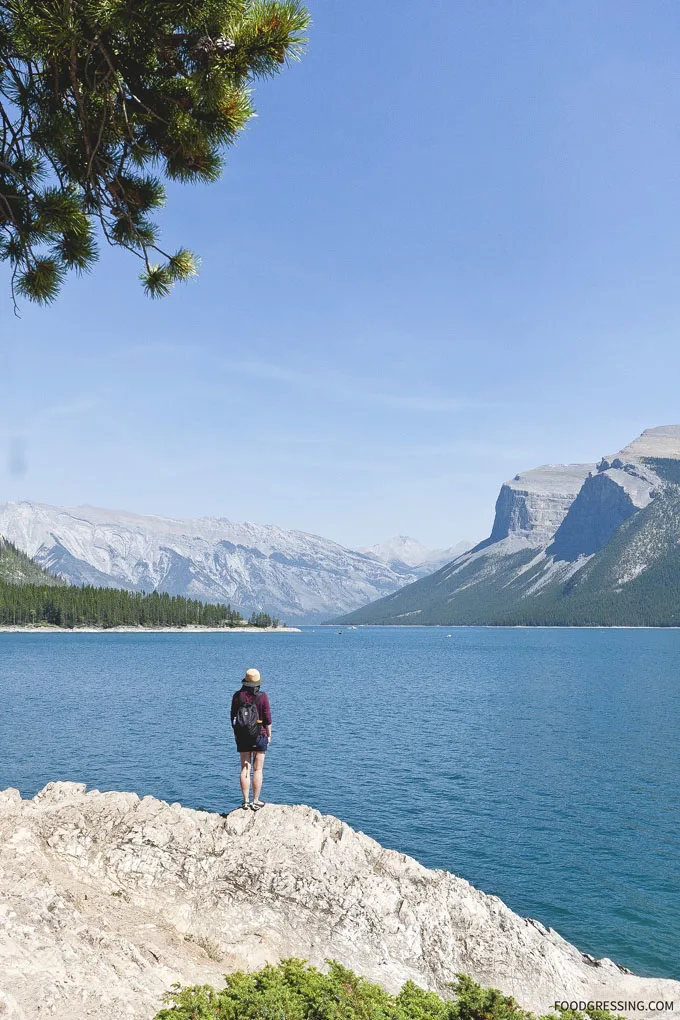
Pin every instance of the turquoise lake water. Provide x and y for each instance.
(541, 765)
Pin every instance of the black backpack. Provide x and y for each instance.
(247, 724)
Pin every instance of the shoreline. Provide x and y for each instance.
(504, 626)
(189, 629)
(193, 628)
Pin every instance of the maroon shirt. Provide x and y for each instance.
(246, 696)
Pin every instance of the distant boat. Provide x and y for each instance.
(449, 635)
(339, 632)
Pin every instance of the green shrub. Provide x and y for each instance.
(209, 946)
(294, 991)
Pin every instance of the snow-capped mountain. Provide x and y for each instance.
(576, 543)
(404, 553)
(291, 574)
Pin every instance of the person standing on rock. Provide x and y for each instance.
(251, 720)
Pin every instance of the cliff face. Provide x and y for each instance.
(572, 544)
(607, 499)
(107, 899)
(534, 503)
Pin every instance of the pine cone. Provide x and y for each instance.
(205, 47)
(225, 45)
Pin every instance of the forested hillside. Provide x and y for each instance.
(31, 595)
(18, 568)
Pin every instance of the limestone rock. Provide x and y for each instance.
(662, 441)
(623, 484)
(106, 900)
(606, 500)
(534, 503)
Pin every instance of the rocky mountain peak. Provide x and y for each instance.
(660, 442)
(576, 544)
(623, 484)
(401, 548)
(403, 551)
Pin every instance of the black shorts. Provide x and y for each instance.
(260, 746)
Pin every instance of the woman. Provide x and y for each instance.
(251, 720)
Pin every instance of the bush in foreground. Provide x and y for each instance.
(294, 991)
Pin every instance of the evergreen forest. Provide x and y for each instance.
(31, 596)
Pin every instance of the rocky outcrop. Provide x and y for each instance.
(623, 484)
(606, 500)
(106, 900)
(533, 504)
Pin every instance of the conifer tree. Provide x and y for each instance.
(101, 99)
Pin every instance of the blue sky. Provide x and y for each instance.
(447, 250)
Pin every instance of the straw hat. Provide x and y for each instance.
(252, 678)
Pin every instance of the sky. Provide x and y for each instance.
(446, 250)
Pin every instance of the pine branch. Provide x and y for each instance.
(92, 94)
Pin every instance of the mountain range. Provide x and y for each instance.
(406, 554)
(296, 576)
(579, 544)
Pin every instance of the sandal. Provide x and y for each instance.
(245, 805)
(257, 804)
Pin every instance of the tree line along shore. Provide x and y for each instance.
(68, 606)
(31, 596)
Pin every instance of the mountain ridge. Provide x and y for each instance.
(602, 552)
(404, 552)
(16, 567)
(294, 575)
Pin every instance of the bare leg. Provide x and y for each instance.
(245, 774)
(258, 766)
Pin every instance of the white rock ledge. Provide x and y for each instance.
(98, 892)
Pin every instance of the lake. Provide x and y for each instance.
(541, 765)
